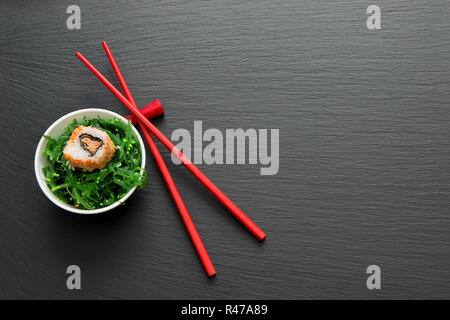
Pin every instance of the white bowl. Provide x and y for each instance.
(55, 130)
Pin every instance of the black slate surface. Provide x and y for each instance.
(364, 148)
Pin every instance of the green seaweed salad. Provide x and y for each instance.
(101, 187)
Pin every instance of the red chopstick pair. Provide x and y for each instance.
(195, 237)
(129, 102)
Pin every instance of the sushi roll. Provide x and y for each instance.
(89, 148)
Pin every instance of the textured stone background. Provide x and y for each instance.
(364, 142)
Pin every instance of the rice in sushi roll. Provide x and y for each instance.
(89, 148)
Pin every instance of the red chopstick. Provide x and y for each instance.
(195, 237)
(235, 211)
(153, 110)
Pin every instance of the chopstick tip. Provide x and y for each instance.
(212, 274)
(262, 237)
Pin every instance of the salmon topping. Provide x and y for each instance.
(90, 144)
